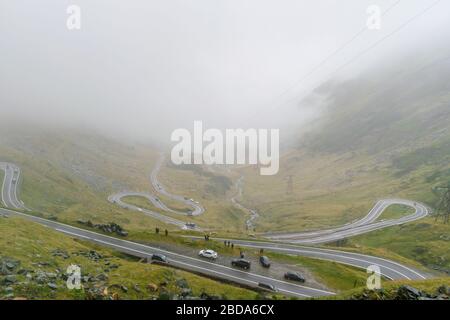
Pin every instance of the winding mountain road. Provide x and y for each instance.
(10, 183)
(197, 209)
(367, 224)
(389, 269)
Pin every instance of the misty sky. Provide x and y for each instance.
(143, 68)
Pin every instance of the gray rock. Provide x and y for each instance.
(41, 277)
(137, 288)
(185, 292)
(206, 296)
(101, 277)
(51, 275)
(182, 283)
(444, 290)
(9, 279)
(60, 253)
(9, 290)
(8, 266)
(409, 293)
(52, 285)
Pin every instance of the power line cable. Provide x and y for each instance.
(334, 53)
(376, 44)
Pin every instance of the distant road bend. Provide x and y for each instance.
(197, 209)
(10, 183)
(367, 224)
(388, 268)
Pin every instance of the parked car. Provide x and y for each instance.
(209, 254)
(294, 276)
(241, 263)
(159, 257)
(190, 225)
(265, 262)
(267, 286)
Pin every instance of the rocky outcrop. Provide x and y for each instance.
(404, 292)
(111, 227)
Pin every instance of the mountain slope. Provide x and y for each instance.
(383, 134)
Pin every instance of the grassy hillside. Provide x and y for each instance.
(425, 241)
(400, 290)
(41, 256)
(383, 135)
(70, 174)
(213, 189)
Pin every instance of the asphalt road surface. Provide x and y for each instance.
(389, 269)
(367, 224)
(196, 210)
(10, 183)
(201, 266)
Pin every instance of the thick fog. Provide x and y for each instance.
(143, 68)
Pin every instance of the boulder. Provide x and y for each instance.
(102, 277)
(409, 293)
(137, 288)
(182, 283)
(60, 253)
(185, 292)
(206, 296)
(8, 280)
(41, 277)
(52, 285)
(444, 289)
(8, 266)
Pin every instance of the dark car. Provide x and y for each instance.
(190, 225)
(267, 286)
(265, 262)
(241, 263)
(159, 258)
(294, 276)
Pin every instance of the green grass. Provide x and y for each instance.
(70, 175)
(396, 211)
(425, 241)
(389, 288)
(212, 190)
(31, 244)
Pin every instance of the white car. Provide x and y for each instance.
(209, 254)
